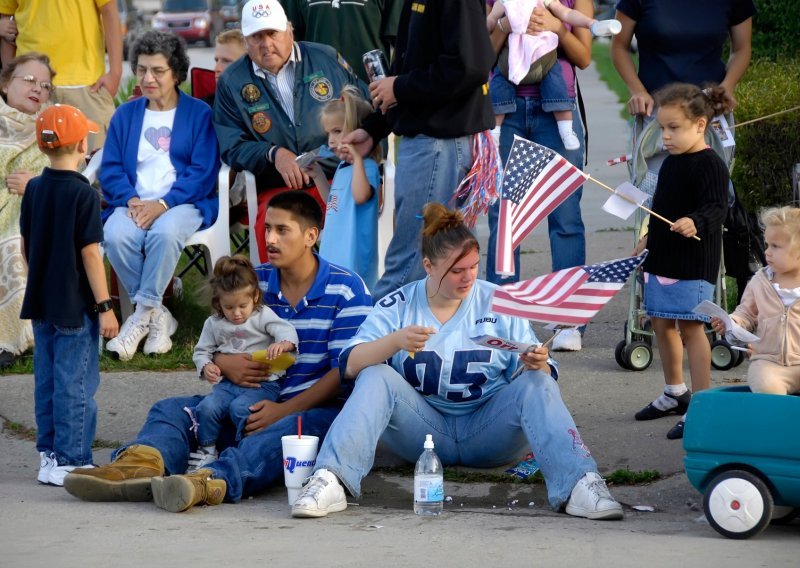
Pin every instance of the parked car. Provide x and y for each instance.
(231, 12)
(194, 20)
(131, 23)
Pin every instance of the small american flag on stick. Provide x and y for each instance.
(536, 180)
(569, 297)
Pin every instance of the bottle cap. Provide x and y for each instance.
(428, 445)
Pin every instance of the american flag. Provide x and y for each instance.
(567, 297)
(536, 180)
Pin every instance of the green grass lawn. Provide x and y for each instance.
(190, 309)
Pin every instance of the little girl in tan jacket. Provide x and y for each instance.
(770, 307)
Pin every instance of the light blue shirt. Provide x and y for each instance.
(350, 238)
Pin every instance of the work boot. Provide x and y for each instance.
(178, 493)
(127, 478)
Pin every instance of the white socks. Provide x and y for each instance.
(143, 313)
(665, 402)
(568, 136)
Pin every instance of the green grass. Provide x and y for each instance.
(601, 55)
(628, 477)
(191, 311)
(617, 477)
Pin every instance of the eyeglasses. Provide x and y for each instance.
(32, 81)
(157, 72)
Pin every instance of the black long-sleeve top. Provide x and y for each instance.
(442, 61)
(696, 186)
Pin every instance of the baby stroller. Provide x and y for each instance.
(635, 351)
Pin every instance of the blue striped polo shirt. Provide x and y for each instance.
(326, 318)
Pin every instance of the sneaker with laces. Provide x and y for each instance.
(321, 494)
(200, 459)
(46, 462)
(568, 340)
(591, 499)
(130, 336)
(127, 478)
(58, 473)
(162, 327)
(652, 412)
(178, 493)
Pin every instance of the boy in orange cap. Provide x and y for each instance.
(66, 296)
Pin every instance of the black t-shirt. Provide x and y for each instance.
(691, 185)
(60, 215)
(682, 40)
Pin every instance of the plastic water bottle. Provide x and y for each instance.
(428, 481)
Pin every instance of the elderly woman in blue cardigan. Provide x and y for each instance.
(158, 174)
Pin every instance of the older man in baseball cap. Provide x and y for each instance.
(268, 103)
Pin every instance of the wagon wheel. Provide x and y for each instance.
(738, 504)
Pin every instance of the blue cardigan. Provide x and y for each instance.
(193, 151)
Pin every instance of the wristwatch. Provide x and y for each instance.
(163, 204)
(103, 306)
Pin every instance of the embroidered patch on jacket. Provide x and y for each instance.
(250, 93)
(261, 122)
(321, 89)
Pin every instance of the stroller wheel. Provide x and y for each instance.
(722, 356)
(618, 355)
(638, 356)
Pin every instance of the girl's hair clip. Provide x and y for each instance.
(706, 92)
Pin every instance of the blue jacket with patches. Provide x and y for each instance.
(320, 76)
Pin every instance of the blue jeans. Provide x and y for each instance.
(66, 378)
(428, 169)
(253, 465)
(145, 260)
(529, 412)
(230, 400)
(553, 90)
(565, 225)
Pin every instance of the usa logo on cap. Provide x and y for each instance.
(261, 11)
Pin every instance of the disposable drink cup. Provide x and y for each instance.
(299, 457)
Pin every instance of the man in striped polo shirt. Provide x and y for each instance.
(326, 303)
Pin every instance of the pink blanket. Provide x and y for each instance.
(524, 49)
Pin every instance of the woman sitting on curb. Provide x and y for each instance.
(438, 381)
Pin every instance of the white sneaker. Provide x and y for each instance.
(46, 462)
(322, 494)
(162, 326)
(59, 472)
(130, 336)
(567, 340)
(200, 459)
(606, 28)
(591, 499)
(571, 141)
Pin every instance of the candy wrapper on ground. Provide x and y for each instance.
(524, 469)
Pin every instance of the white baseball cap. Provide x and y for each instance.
(258, 15)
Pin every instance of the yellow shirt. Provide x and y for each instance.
(70, 32)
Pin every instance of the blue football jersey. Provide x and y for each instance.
(453, 372)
